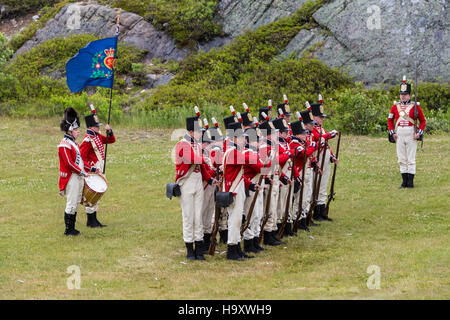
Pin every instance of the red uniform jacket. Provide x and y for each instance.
(299, 148)
(394, 115)
(315, 136)
(87, 150)
(254, 165)
(189, 153)
(282, 156)
(234, 160)
(69, 160)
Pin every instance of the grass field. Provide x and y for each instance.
(141, 254)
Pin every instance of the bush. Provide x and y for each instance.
(359, 111)
(46, 13)
(5, 52)
(26, 6)
(187, 21)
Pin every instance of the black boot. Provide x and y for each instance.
(302, 224)
(190, 251)
(242, 253)
(323, 213)
(256, 244)
(269, 240)
(199, 250)
(410, 183)
(248, 246)
(92, 221)
(275, 237)
(288, 230)
(69, 220)
(223, 236)
(232, 253)
(312, 224)
(405, 180)
(316, 214)
(206, 242)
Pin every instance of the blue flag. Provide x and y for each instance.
(93, 65)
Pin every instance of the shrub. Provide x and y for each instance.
(46, 13)
(5, 52)
(187, 21)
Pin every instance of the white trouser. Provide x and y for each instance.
(307, 190)
(208, 209)
(191, 201)
(235, 212)
(74, 192)
(322, 197)
(406, 149)
(271, 224)
(254, 226)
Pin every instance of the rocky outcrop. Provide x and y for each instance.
(100, 20)
(237, 16)
(378, 42)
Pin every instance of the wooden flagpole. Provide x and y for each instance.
(111, 90)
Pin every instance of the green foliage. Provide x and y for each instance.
(359, 111)
(46, 13)
(187, 21)
(26, 6)
(5, 52)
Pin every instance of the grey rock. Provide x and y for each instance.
(151, 78)
(79, 18)
(409, 30)
(163, 79)
(35, 17)
(216, 42)
(237, 16)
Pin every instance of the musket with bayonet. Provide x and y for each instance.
(314, 182)
(217, 212)
(300, 203)
(416, 84)
(286, 209)
(252, 205)
(332, 193)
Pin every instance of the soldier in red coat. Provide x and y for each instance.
(404, 132)
(234, 181)
(319, 135)
(71, 169)
(299, 146)
(191, 172)
(93, 154)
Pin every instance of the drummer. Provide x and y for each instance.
(93, 154)
(71, 169)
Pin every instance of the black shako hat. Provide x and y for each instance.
(317, 110)
(405, 88)
(228, 120)
(193, 123)
(235, 130)
(298, 127)
(247, 119)
(307, 118)
(267, 128)
(284, 107)
(281, 124)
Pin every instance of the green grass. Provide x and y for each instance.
(139, 254)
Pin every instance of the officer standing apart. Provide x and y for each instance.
(404, 132)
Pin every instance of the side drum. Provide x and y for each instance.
(95, 185)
